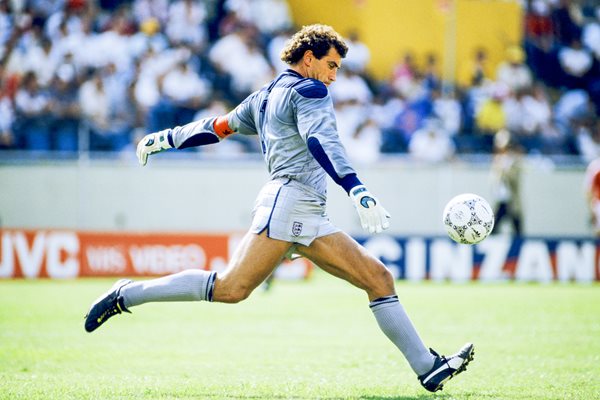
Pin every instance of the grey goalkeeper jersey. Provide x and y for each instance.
(295, 121)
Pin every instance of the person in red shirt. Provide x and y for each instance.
(592, 191)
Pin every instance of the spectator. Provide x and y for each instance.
(514, 113)
(413, 116)
(228, 56)
(431, 144)
(538, 119)
(252, 13)
(506, 182)
(590, 35)
(187, 24)
(7, 22)
(112, 45)
(81, 44)
(351, 114)
(7, 116)
(473, 98)
(431, 74)
(513, 72)
(591, 186)
(404, 76)
(151, 70)
(44, 8)
(363, 145)
(108, 124)
(538, 23)
(575, 61)
(383, 111)
(38, 58)
(358, 54)
(351, 87)
(447, 109)
(115, 82)
(66, 112)
(359, 134)
(572, 105)
(566, 19)
(148, 36)
(491, 117)
(588, 141)
(477, 71)
(68, 69)
(32, 105)
(145, 10)
(253, 73)
(184, 92)
(274, 48)
(65, 21)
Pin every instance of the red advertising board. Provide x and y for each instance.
(72, 254)
(117, 254)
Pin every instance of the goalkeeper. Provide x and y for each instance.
(294, 119)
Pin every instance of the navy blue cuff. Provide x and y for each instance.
(170, 139)
(349, 181)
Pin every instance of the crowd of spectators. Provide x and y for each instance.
(97, 75)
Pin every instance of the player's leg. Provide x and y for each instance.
(343, 257)
(515, 217)
(499, 215)
(255, 258)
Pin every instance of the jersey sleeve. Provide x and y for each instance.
(241, 119)
(197, 133)
(214, 129)
(317, 126)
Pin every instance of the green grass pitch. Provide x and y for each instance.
(301, 340)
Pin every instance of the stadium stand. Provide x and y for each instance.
(79, 75)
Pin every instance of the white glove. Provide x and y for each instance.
(373, 217)
(151, 144)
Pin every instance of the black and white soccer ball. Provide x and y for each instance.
(468, 218)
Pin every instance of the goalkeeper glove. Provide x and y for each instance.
(151, 144)
(373, 217)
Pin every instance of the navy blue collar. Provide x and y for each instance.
(296, 73)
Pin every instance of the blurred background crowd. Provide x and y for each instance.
(80, 75)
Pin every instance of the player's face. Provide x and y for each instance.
(325, 69)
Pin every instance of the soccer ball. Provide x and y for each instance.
(468, 218)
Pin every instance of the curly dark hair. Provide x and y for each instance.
(318, 38)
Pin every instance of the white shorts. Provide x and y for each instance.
(292, 212)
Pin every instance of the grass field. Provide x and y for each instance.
(302, 340)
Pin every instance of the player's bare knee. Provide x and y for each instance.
(241, 295)
(386, 278)
(381, 282)
(238, 294)
(226, 291)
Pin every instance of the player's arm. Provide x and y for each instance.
(198, 133)
(316, 123)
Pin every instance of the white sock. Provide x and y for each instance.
(396, 325)
(188, 285)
